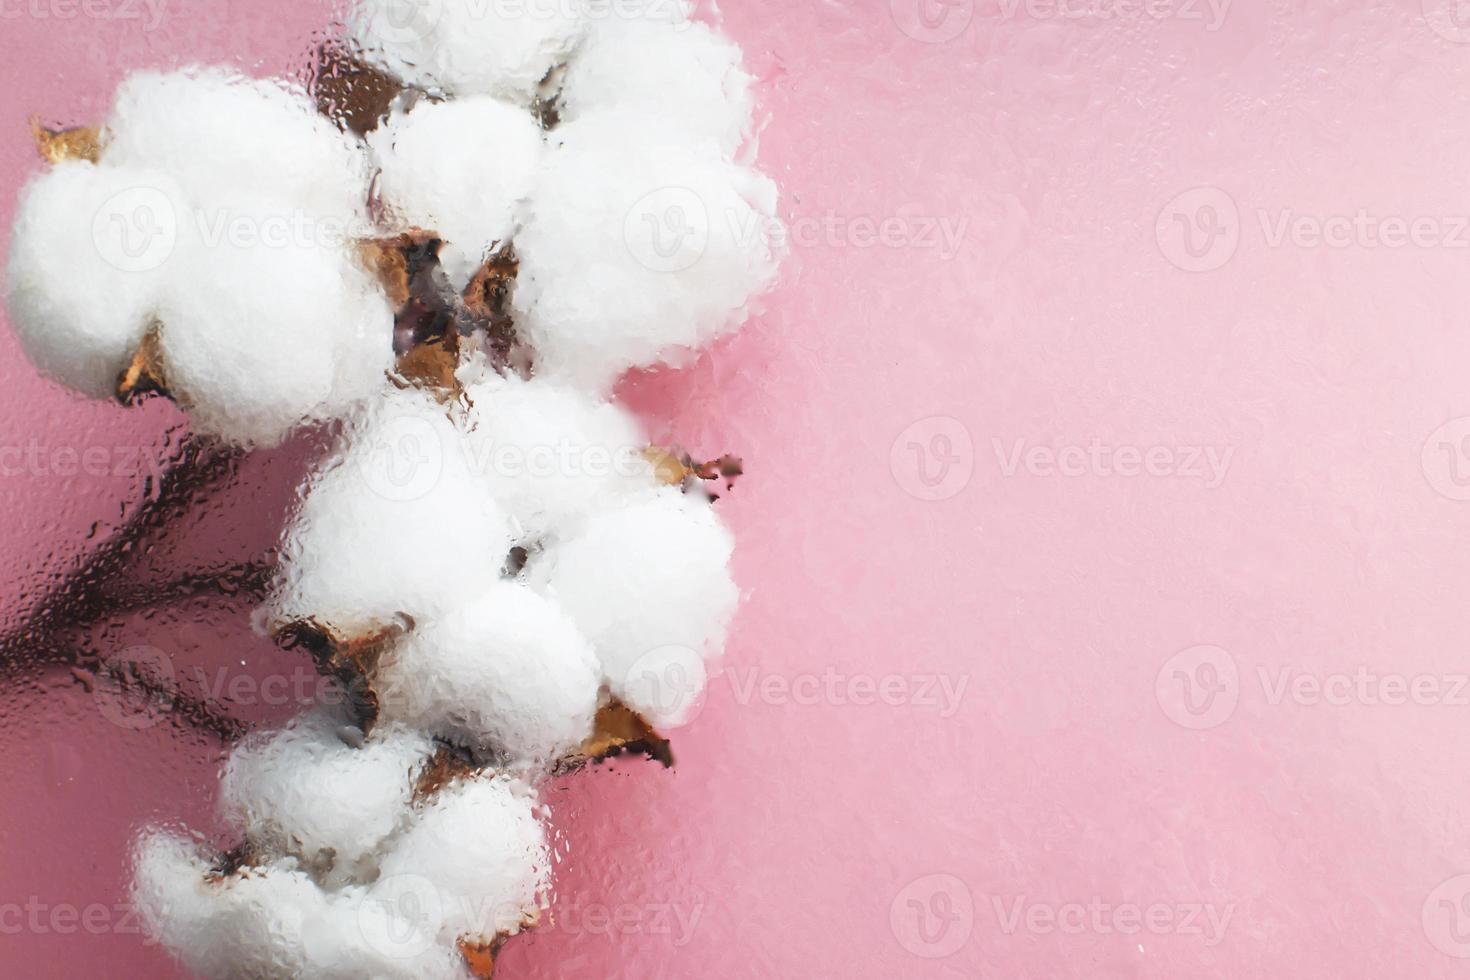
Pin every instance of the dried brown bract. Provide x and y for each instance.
(58, 145)
(351, 661)
(616, 730)
(144, 374)
(678, 469)
(354, 95)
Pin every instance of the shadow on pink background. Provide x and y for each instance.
(1109, 468)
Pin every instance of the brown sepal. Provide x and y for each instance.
(354, 95)
(678, 469)
(487, 299)
(447, 764)
(144, 374)
(480, 956)
(352, 661)
(618, 729)
(233, 862)
(58, 145)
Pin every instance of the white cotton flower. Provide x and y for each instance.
(246, 926)
(263, 333)
(276, 922)
(223, 214)
(684, 73)
(475, 858)
(551, 453)
(318, 790)
(223, 134)
(649, 584)
(508, 673)
(89, 255)
(459, 168)
(638, 248)
(394, 524)
(469, 47)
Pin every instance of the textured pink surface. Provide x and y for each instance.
(1155, 484)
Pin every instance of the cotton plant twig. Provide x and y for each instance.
(80, 597)
(419, 327)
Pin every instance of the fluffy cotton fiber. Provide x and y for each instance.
(223, 214)
(261, 335)
(639, 580)
(89, 258)
(395, 524)
(461, 168)
(318, 790)
(682, 73)
(469, 47)
(275, 921)
(223, 134)
(552, 454)
(507, 674)
(640, 239)
(638, 247)
(479, 844)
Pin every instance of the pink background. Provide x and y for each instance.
(1080, 779)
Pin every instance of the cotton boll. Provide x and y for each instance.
(377, 933)
(469, 47)
(395, 523)
(224, 134)
(460, 168)
(236, 926)
(269, 322)
(89, 252)
(551, 453)
(684, 73)
(508, 673)
(650, 585)
(275, 922)
(475, 859)
(637, 248)
(310, 790)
